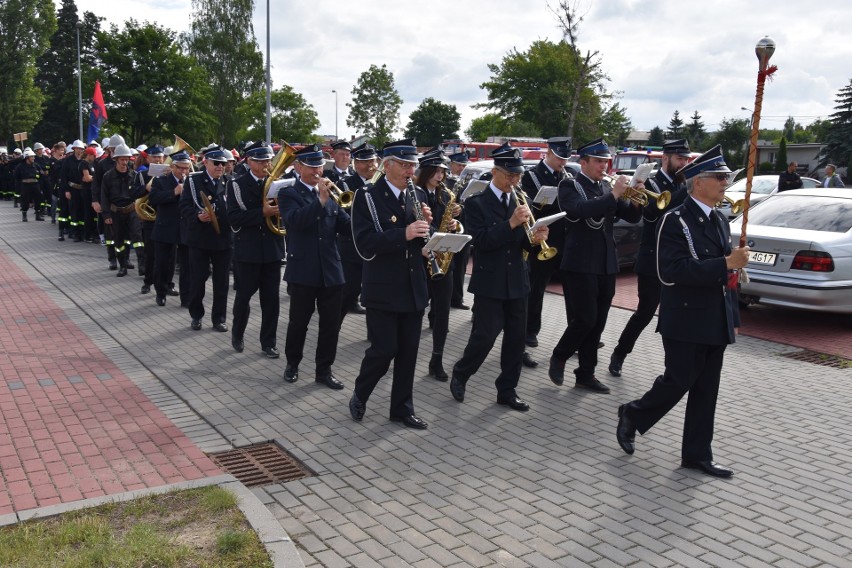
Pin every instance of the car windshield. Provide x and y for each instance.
(628, 161)
(815, 213)
(762, 185)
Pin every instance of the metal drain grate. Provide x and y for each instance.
(261, 464)
(820, 359)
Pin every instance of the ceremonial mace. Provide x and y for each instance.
(764, 50)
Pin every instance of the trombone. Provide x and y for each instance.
(642, 195)
(546, 252)
(342, 198)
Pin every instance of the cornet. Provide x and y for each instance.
(546, 252)
(641, 195)
(342, 198)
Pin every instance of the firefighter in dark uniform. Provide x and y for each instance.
(500, 279)
(95, 214)
(120, 187)
(699, 316)
(550, 171)
(589, 261)
(153, 155)
(390, 238)
(675, 157)
(71, 186)
(28, 176)
(458, 162)
(58, 201)
(257, 251)
(341, 153)
(44, 204)
(314, 273)
(365, 161)
(167, 236)
(206, 245)
(16, 158)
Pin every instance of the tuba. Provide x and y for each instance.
(282, 160)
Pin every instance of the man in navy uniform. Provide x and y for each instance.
(675, 157)
(500, 280)
(589, 261)
(152, 155)
(365, 161)
(549, 171)
(167, 236)
(314, 273)
(699, 315)
(341, 153)
(257, 251)
(390, 238)
(458, 162)
(206, 245)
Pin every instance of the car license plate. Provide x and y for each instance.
(756, 257)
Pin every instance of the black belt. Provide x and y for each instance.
(125, 209)
(75, 185)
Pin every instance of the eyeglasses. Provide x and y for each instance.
(717, 177)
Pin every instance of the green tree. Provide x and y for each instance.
(535, 87)
(221, 38)
(695, 132)
(151, 97)
(790, 128)
(616, 125)
(293, 118)
(838, 138)
(781, 158)
(25, 29)
(489, 124)
(676, 129)
(375, 107)
(733, 135)
(656, 137)
(433, 122)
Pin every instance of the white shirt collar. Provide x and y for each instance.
(396, 191)
(706, 208)
(497, 191)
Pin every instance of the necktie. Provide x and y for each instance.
(432, 200)
(505, 200)
(402, 201)
(714, 220)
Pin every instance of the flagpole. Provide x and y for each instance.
(79, 85)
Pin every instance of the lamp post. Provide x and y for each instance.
(335, 114)
(268, 83)
(78, 25)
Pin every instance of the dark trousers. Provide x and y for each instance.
(63, 212)
(108, 236)
(459, 271)
(395, 337)
(252, 277)
(649, 299)
(30, 195)
(148, 256)
(303, 301)
(200, 261)
(540, 273)
(490, 317)
(352, 272)
(440, 294)
(164, 269)
(126, 233)
(692, 368)
(589, 297)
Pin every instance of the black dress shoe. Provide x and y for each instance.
(113, 265)
(161, 300)
(532, 340)
(356, 408)
(615, 363)
(457, 388)
(291, 373)
(410, 421)
(357, 309)
(625, 433)
(460, 306)
(556, 371)
(436, 368)
(514, 403)
(220, 327)
(528, 361)
(172, 292)
(195, 325)
(592, 384)
(61, 238)
(330, 381)
(710, 468)
(122, 271)
(146, 289)
(238, 344)
(271, 352)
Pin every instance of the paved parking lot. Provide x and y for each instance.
(483, 486)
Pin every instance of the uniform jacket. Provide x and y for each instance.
(646, 260)
(394, 277)
(336, 176)
(253, 241)
(344, 240)
(167, 227)
(499, 270)
(591, 210)
(696, 305)
(102, 166)
(119, 190)
(531, 181)
(28, 172)
(199, 234)
(312, 255)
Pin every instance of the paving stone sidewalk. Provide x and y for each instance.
(484, 486)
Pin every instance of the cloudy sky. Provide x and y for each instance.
(660, 55)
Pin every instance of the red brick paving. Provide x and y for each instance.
(86, 432)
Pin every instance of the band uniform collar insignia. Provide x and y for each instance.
(393, 218)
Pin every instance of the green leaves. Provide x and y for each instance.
(375, 107)
(293, 118)
(433, 122)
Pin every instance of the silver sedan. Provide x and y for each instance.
(761, 188)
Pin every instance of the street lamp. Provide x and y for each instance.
(335, 113)
(268, 83)
(78, 25)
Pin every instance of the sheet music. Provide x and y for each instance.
(474, 188)
(641, 174)
(545, 221)
(278, 185)
(157, 170)
(546, 195)
(447, 242)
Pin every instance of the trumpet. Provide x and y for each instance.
(342, 198)
(642, 195)
(546, 252)
(736, 206)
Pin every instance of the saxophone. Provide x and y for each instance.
(445, 258)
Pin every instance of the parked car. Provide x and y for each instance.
(761, 188)
(801, 250)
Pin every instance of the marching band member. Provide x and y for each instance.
(341, 153)
(500, 279)
(314, 273)
(153, 155)
(389, 235)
